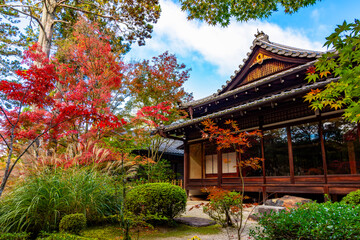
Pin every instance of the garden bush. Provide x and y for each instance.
(73, 223)
(14, 236)
(156, 201)
(352, 198)
(160, 171)
(43, 199)
(224, 207)
(311, 221)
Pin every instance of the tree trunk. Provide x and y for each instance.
(8, 163)
(47, 22)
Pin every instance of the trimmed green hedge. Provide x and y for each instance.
(352, 198)
(73, 223)
(14, 236)
(323, 221)
(156, 201)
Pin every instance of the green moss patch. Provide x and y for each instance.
(115, 232)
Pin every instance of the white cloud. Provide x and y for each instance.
(224, 48)
(315, 15)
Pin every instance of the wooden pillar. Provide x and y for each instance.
(219, 162)
(352, 159)
(291, 156)
(351, 153)
(323, 152)
(186, 167)
(202, 163)
(263, 165)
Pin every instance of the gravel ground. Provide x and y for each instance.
(229, 234)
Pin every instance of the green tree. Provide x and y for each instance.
(343, 65)
(12, 43)
(124, 21)
(222, 11)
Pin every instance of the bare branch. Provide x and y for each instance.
(13, 6)
(6, 143)
(61, 21)
(85, 11)
(33, 141)
(21, 105)
(6, 116)
(30, 15)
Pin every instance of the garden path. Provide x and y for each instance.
(225, 234)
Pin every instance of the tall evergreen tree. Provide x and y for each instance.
(124, 21)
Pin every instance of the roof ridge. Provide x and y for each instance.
(262, 40)
(247, 86)
(289, 47)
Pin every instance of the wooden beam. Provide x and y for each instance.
(202, 161)
(166, 135)
(323, 152)
(263, 164)
(186, 167)
(351, 154)
(291, 156)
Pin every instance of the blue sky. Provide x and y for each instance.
(214, 53)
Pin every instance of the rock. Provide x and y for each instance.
(261, 209)
(274, 202)
(195, 221)
(287, 201)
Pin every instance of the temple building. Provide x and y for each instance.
(304, 151)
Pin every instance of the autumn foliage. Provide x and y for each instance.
(156, 89)
(232, 138)
(226, 207)
(61, 99)
(65, 93)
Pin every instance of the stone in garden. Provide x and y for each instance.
(287, 201)
(261, 209)
(195, 221)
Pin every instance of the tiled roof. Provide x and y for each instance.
(261, 40)
(247, 86)
(255, 103)
(172, 147)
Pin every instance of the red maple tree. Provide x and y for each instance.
(156, 89)
(63, 98)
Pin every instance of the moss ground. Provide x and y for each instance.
(114, 232)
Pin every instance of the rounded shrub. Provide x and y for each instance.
(73, 223)
(156, 201)
(352, 198)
